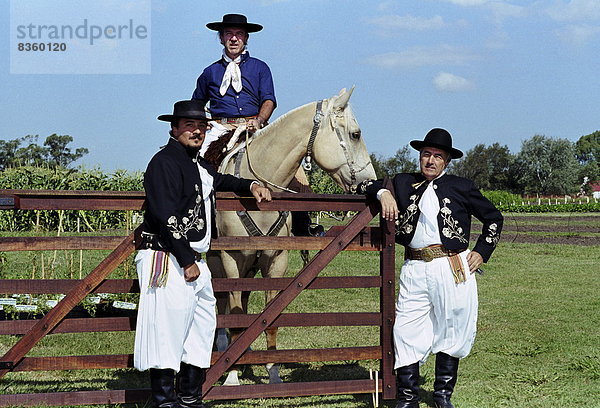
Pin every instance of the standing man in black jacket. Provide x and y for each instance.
(436, 310)
(176, 317)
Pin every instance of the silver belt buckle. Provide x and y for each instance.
(427, 254)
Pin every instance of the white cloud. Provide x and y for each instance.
(447, 82)
(578, 35)
(386, 5)
(468, 2)
(408, 22)
(498, 39)
(271, 2)
(576, 10)
(423, 56)
(502, 10)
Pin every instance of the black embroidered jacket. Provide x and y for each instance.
(174, 204)
(459, 200)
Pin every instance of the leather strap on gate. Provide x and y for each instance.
(249, 225)
(253, 230)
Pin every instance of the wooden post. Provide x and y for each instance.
(387, 267)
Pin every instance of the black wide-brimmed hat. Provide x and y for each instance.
(439, 138)
(186, 109)
(235, 20)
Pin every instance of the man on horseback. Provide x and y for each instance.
(436, 310)
(239, 87)
(176, 317)
(240, 91)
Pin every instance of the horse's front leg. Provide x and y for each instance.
(235, 265)
(273, 265)
(213, 259)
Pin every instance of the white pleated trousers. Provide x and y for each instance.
(434, 314)
(177, 322)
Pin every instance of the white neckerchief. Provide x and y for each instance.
(233, 75)
(427, 230)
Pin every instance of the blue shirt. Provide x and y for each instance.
(257, 87)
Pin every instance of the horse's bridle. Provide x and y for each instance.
(317, 119)
(313, 134)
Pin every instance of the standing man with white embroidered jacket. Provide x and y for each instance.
(176, 316)
(436, 310)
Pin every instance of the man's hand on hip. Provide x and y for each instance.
(475, 260)
(191, 272)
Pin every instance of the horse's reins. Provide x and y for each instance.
(258, 177)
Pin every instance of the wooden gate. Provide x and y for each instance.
(356, 235)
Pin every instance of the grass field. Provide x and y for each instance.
(538, 342)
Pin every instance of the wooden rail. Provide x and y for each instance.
(357, 235)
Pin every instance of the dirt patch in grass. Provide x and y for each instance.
(568, 229)
(511, 236)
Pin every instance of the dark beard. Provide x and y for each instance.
(192, 151)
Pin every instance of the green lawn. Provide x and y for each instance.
(538, 343)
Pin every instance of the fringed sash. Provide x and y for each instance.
(457, 268)
(160, 269)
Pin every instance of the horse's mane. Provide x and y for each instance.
(277, 122)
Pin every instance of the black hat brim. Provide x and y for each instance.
(454, 153)
(249, 27)
(169, 118)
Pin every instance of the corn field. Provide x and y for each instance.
(42, 178)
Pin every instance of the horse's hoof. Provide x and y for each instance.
(232, 378)
(273, 370)
(222, 341)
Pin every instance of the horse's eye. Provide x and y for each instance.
(355, 135)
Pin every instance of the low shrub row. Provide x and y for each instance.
(509, 202)
(550, 208)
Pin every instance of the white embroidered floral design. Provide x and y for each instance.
(192, 221)
(451, 229)
(493, 236)
(403, 225)
(362, 187)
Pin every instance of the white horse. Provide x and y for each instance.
(326, 132)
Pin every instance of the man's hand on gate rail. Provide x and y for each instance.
(260, 193)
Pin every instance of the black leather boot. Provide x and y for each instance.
(407, 378)
(189, 385)
(446, 372)
(162, 383)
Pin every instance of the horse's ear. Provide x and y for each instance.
(343, 98)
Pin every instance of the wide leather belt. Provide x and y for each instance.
(429, 253)
(225, 121)
(151, 241)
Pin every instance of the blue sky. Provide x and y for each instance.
(487, 70)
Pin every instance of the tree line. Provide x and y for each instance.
(544, 165)
(25, 151)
